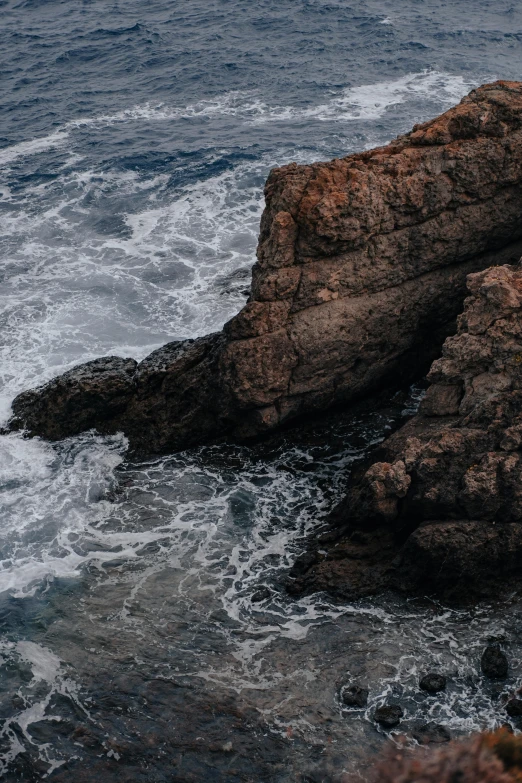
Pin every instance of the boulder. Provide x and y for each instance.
(360, 273)
(514, 708)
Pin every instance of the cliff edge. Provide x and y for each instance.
(439, 509)
(361, 271)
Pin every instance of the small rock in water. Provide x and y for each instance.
(514, 708)
(354, 696)
(261, 595)
(494, 663)
(389, 715)
(431, 732)
(432, 682)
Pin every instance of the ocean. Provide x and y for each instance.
(135, 139)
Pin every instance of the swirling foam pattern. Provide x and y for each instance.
(134, 143)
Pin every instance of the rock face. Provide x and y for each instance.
(361, 271)
(442, 508)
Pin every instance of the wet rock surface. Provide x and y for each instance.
(388, 715)
(439, 508)
(432, 682)
(429, 733)
(355, 696)
(361, 272)
(494, 662)
(514, 708)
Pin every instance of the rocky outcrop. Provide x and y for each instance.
(360, 273)
(441, 509)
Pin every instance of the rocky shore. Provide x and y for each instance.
(361, 271)
(439, 509)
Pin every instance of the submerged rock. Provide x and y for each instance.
(429, 733)
(440, 508)
(494, 663)
(354, 696)
(388, 715)
(432, 682)
(261, 595)
(514, 708)
(360, 274)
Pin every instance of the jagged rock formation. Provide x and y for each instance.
(360, 274)
(441, 509)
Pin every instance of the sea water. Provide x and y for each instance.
(146, 633)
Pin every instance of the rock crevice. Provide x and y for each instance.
(440, 507)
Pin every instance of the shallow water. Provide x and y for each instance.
(134, 143)
(152, 651)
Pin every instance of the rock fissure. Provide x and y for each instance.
(446, 488)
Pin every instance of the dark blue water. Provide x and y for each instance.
(135, 139)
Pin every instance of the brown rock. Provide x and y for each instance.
(88, 396)
(445, 501)
(360, 273)
(441, 400)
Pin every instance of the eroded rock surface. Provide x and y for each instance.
(441, 509)
(361, 271)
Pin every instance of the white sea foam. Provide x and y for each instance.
(49, 678)
(219, 533)
(181, 268)
(371, 101)
(48, 499)
(365, 102)
(34, 146)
